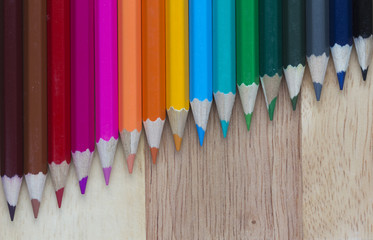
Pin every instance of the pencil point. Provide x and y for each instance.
(224, 127)
(107, 172)
(130, 162)
(271, 108)
(364, 73)
(35, 207)
(201, 134)
(178, 141)
(59, 195)
(318, 88)
(154, 152)
(341, 79)
(83, 184)
(248, 120)
(294, 101)
(12, 210)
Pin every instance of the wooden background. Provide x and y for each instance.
(305, 175)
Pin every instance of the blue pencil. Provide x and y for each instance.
(341, 36)
(224, 59)
(200, 63)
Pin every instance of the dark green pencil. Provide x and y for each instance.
(294, 46)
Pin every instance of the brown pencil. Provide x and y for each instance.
(35, 98)
(11, 81)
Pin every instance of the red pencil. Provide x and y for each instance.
(59, 149)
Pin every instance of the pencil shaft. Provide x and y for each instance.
(362, 18)
(35, 86)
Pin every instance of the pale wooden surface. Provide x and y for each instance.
(248, 186)
(337, 157)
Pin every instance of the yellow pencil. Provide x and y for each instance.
(177, 67)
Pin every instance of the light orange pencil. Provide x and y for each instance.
(129, 56)
(153, 70)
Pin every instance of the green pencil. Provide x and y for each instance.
(247, 31)
(270, 51)
(294, 46)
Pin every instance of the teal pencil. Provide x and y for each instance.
(224, 59)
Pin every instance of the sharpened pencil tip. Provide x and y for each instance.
(130, 162)
(107, 172)
(59, 195)
(83, 184)
(12, 210)
(248, 120)
(154, 152)
(341, 79)
(271, 108)
(178, 141)
(318, 88)
(201, 134)
(35, 207)
(364, 73)
(224, 127)
(294, 101)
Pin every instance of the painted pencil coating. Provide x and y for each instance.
(153, 72)
(224, 59)
(35, 99)
(340, 13)
(317, 35)
(59, 146)
(270, 51)
(177, 67)
(247, 27)
(11, 83)
(130, 114)
(82, 88)
(200, 63)
(362, 31)
(106, 82)
(294, 42)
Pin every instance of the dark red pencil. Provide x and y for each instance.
(59, 148)
(12, 102)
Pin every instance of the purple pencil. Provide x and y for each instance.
(106, 73)
(82, 88)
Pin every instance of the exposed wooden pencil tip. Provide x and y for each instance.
(59, 195)
(130, 162)
(154, 152)
(35, 207)
(178, 141)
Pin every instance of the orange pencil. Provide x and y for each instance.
(129, 54)
(153, 70)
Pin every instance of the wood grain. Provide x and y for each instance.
(337, 157)
(245, 187)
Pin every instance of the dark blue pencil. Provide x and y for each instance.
(341, 36)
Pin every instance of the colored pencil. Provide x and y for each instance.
(224, 59)
(247, 27)
(362, 31)
(270, 51)
(340, 13)
(200, 63)
(11, 102)
(177, 67)
(130, 114)
(106, 82)
(82, 88)
(35, 99)
(59, 146)
(317, 35)
(153, 72)
(294, 34)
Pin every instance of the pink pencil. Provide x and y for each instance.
(82, 88)
(106, 74)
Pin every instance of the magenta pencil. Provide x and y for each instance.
(82, 88)
(106, 82)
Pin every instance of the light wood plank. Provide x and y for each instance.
(337, 157)
(245, 187)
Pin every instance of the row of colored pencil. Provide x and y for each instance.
(97, 68)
